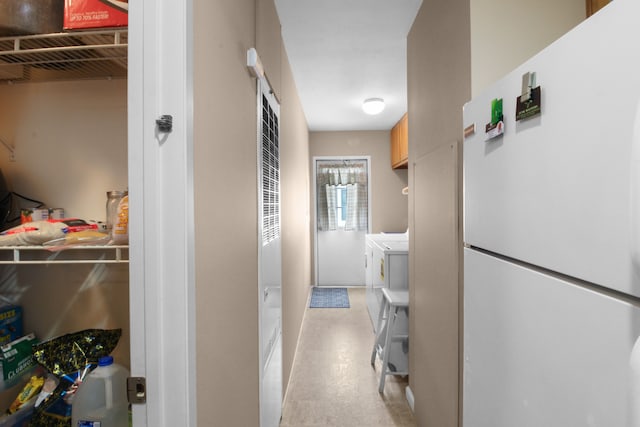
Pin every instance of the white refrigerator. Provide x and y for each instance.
(552, 235)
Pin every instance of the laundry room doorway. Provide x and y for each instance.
(342, 219)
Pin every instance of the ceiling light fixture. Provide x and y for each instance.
(373, 106)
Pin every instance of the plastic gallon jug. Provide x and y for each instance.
(101, 398)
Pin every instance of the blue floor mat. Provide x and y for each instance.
(329, 298)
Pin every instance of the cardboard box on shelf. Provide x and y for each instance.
(92, 14)
(16, 361)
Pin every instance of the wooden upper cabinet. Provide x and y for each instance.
(395, 147)
(404, 138)
(595, 5)
(400, 144)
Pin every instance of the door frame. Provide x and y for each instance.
(160, 168)
(270, 371)
(315, 202)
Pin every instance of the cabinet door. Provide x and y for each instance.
(161, 213)
(595, 5)
(395, 145)
(399, 144)
(404, 139)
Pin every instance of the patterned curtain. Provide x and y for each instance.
(352, 208)
(332, 219)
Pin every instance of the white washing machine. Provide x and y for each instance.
(387, 265)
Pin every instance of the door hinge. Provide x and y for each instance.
(137, 390)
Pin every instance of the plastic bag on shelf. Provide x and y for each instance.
(80, 238)
(39, 232)
(69, 357)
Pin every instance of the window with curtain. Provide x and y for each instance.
(342, 195)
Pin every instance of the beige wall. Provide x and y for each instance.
(89, 147)
(296, 240)
(505, 33)
(269, 43)
(225, 214)
(388, 205)
(225, 175)
(436, 91)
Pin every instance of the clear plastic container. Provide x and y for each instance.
(120, 232)
(101, 399)
(113, 201)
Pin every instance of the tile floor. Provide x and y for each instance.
(333, 383)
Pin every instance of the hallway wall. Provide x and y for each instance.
(226, 208)
(226, 205)
(436, 91)
(505, 33)
(296, 240)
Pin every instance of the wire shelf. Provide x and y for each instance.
(80, 254)
(64, 56)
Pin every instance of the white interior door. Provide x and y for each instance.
(343, 218)
(269, 257)
(161, 211)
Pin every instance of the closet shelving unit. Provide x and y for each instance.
(64, 56)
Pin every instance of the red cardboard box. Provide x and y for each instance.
(86, 14)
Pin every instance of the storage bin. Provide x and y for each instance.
(21, 17)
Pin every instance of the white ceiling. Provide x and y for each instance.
(344, 51)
